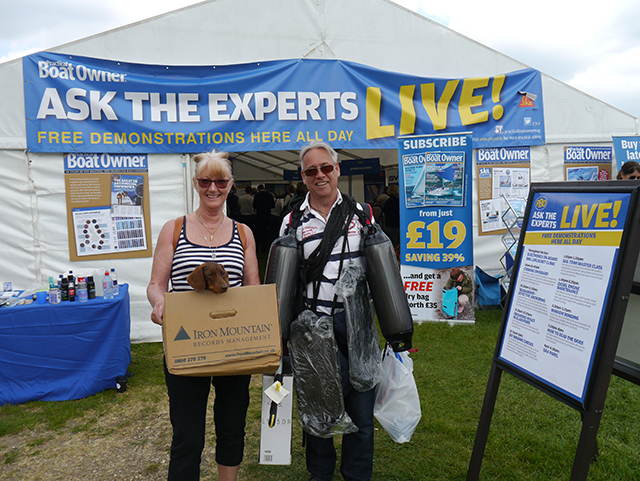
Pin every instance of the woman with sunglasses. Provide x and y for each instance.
(206, 235)
(630, 170)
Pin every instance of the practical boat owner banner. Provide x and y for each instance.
(81, 104)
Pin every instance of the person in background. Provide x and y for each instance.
(630, 170)
(245, 204)
(233, 206)
(391, 211)
(382, 198)
(263, 202)
(206, 234)
(286, 201)
(276, 219)
(301, 189)
(461, 281)
(324, 211)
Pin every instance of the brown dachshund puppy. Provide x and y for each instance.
(209, 275)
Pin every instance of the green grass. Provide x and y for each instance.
(533, 437)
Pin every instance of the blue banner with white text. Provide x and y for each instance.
(626, 148)
(81, 104)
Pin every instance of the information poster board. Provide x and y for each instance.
(574, 273)
(503, 173)
(435, 224)
(107, 206)
(567, 260)
(587, 163)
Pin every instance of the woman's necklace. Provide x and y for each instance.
(213, 251)
(211, 233)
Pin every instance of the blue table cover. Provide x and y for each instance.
(64, 351)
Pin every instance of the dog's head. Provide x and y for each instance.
(210, 275)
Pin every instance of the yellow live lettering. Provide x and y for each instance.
(563, 220)
(374, 129)
(587, 216)
(438, 114)
(408, 116)
(468, 101)
(603, 214)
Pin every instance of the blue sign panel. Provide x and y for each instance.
(626, 148)
(81, 104)
(360, 166)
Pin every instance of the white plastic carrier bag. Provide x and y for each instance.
(397, 406)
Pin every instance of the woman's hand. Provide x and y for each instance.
(157, 315)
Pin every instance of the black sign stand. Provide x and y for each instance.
(605, 349)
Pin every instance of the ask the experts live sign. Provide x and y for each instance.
(85, 105)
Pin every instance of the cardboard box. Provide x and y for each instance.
(275, 442)
(207, 334)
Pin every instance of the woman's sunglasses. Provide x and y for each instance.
(206, 183)
(313, 171)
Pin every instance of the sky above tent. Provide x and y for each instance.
(596, 50)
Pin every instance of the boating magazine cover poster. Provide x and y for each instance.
(435, 223)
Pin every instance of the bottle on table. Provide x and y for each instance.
(114, 279)
(64, 289)
(72, 287)
(107, 286)
(83, 294)
(91, 287)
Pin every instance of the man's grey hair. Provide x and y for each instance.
(319, 145)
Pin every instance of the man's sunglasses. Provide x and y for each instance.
(313, 171)
(206, 183)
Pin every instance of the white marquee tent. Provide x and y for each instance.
(377, 33)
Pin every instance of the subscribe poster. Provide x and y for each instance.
(561, 286)
(436, 225)
(107, 206)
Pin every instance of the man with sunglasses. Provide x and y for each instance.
(322, 221)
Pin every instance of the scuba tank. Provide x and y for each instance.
(283, 269)
(387, 291)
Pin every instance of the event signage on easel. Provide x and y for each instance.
(82, 104)
(561, 287)
(566, 305)
(435, 220)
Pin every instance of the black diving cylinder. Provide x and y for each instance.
(385, 284)
(283, 268)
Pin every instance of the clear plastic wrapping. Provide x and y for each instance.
(316, 374)
(362, 336)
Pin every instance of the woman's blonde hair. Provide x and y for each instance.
(213, 164)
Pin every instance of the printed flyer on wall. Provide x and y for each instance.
(435, 226)
(107, 211)
(569, 251)
(503, 174)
